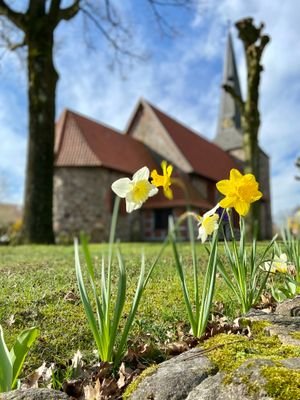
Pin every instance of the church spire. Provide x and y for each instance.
(229, 124)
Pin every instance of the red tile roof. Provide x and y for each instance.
(206, 158)
(83, 142)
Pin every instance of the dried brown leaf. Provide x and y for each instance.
(92, 392)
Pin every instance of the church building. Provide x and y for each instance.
(89, 156)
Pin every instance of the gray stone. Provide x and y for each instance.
(282, 323)
(175, 378)
(291, 363)
(34, 394)
(247, 384)
(290, 308)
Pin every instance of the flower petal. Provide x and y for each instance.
(131, 206)
(235, 175)
(168, 193)
(153, 191)
(169, 170)
(202, 234)
(283, 257)
(211, 212)
(121, 187)
(241, 207)
(227, 202)
(224, 186)
(142, 174)
(257, 196)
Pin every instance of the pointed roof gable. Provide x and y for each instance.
(206, 158)
(229, 124)
(83, 142)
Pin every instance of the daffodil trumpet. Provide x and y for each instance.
(163, 180)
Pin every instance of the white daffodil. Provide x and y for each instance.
(279, 264)
(208, 223)
(136, 190)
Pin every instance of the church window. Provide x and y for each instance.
(161, 217)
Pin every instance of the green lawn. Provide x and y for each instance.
(34, 281)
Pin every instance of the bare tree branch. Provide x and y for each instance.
(15, 17)
(10, 45)
(175, 3)
(54, 8)
(69, 12)
(114, 42)
(111, 14)
(265, 39)
(163, 25)
(229, 89)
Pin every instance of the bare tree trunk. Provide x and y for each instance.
(42, 79)
(254, 43)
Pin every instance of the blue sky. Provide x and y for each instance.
(182, 76)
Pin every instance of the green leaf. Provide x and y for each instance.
(6, 370)
(120, 301)
(86, 302)
(19, 351)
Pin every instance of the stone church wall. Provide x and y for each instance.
(83, 201)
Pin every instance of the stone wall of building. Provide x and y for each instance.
(83, 201)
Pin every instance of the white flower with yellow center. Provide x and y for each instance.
(279, 264)
(208, 223)
(136, 190)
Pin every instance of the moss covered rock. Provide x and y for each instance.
(174, 379)
(255, 379)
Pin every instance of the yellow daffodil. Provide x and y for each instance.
(208, 223)
(163, 180)
(136, 190)
(240, 191)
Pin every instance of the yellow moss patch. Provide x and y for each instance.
(295, 335)
(282, 383)
(228, 352)
(133, 386)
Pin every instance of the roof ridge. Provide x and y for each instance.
(189, 129)
(95, 121)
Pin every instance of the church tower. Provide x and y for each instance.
(230, 136)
